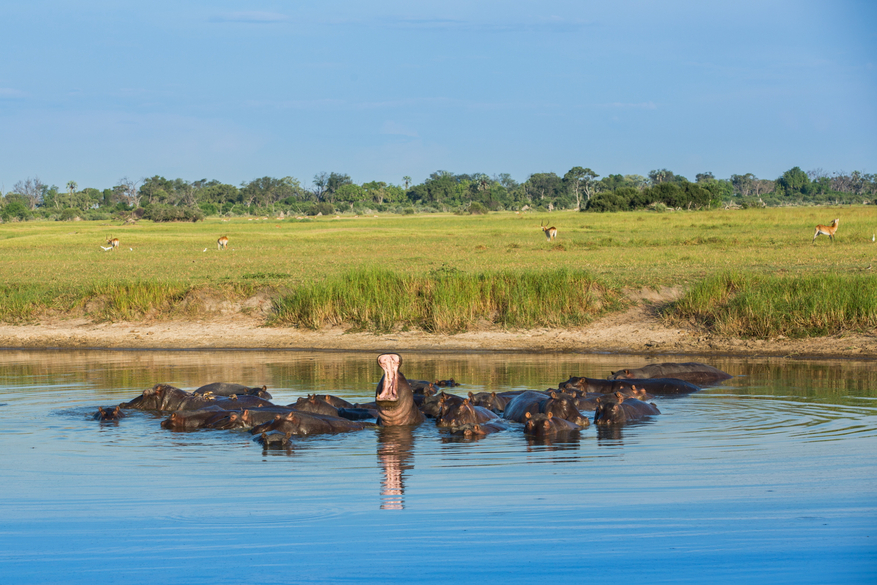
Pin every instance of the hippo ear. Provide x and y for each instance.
(117, 410)
(550, 415)
(471, 396)
(264, 387)
(465, 402)
(493, 394)
(527, 415)
(554, 394)
(620, 397)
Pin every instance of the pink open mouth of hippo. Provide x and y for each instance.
(390, 363)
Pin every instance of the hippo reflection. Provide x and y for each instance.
(395, 453)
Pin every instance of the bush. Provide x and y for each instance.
(15, 211)
(159, 213)
(209, 208)
(321, 208)
(68, 214)
(476, 208)
(618, 200)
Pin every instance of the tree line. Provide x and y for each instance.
(161, 199)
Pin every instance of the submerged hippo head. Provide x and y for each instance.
(108, 413)
(609, 410)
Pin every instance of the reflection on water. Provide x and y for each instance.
(776, 465)
(395, 453)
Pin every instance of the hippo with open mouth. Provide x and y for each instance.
(394, 397)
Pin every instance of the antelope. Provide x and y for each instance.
(222, 243)
(827, 230)
(550, 232)
(113, 243)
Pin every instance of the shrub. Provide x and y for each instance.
(160, 213)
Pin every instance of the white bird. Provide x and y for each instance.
(204, 250)
(132, 249)
(872, 237)
(107, 248)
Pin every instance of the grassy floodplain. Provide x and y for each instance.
(375, 271)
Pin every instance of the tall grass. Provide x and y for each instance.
(126, 301)
(447, 300)
(764, 306)
(23, 302)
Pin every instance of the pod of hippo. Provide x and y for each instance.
(399, 402)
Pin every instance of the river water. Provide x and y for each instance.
(770, 477)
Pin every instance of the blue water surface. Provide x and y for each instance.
(770, 477)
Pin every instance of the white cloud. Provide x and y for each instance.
(8, 92)
(390, 127)
(253, 17)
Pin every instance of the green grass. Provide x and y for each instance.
(764, 306)
(448, 301)
(438, 272)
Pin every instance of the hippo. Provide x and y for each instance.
(434, 406)
(199, 419)
(449, 383)
(235, 402)
(164, 397)
(528, 401)
(693, 372)
(562, 406)
(544, 425)
(109, 413)
(393, 395)
(422, 387)
(168, 398)
(357, 413)
(258, 416)
(226, 389)
(314, 405)
(304, 424)
(640, 388)
(622, 410)
(273, 439)
(478, 430)
(334, 400)
(489, 400)
(464, 413)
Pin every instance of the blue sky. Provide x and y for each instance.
(93, 91)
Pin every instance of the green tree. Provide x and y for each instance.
(543, 188)
(349, 193)
(579, 181)
(793, 182)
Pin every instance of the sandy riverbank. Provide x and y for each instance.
(636, 331)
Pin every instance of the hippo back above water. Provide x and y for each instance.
(693, 372)
(640, 388)
(227, 389)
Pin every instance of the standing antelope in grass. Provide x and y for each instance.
(550, 232)
(222, 243)
(828, 230)
(113, 243)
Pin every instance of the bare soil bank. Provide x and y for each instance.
(637, 330)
